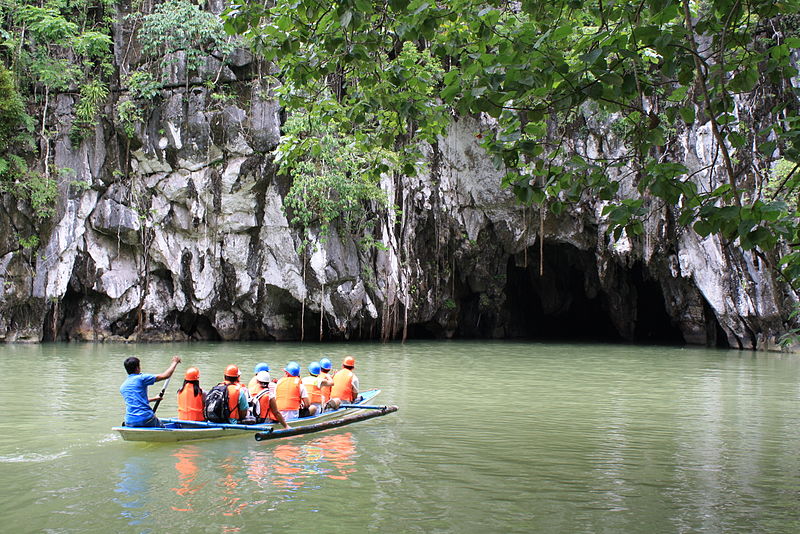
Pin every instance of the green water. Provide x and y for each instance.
(490, 437)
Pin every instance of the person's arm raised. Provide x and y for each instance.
(171, 369)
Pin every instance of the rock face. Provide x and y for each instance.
(181, 234)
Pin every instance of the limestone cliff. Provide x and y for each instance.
(180, 233)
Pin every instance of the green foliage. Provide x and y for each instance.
(38, 35)
(15, 123)
(49, 46)
(333, 181)
(47, 24)
(539, 69)
(784, 178)
(375, 89)
(143, 89)
(128, 114)
(93, 95)
(143, 86)
(16, 143)
(178, 25)
(31, 242)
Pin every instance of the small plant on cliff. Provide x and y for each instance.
(92, 96)
(142, 90)
(31, 242)
(181, 26)
(332, 178)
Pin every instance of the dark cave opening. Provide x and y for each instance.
(556, 305)
(197, 327)
(566, 302)
(715, 335)
(70, 313)
(653, 324)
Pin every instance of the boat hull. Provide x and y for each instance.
(177, 430)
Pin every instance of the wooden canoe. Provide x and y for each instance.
(179, 430)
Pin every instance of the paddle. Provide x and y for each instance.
(161, 395)
(362, 406)
(284, 432)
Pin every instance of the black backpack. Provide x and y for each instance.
(216, 409)
(255, 405)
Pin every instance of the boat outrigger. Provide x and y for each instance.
(178, 430)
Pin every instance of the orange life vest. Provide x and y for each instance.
(325, 390)
(343, 385)
(190, 406)
(312, 387)
(233, 399)
(287, 394)
(264, 413)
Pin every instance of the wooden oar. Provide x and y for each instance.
(363, 406)
(161, 395)
(275, 434)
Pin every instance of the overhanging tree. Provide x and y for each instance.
(654, 67)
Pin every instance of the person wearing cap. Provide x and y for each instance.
(191, 400)
(251, 386)
(325, 372)
(290, 394)
(263, 405)
(138, 412)
(237, 395)
(345, 384)
(313, 384)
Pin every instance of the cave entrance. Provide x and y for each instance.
(562, 303)
(653, 324)
(567, 302)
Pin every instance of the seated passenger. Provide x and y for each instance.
(325, 372)
(263, 405)
(191, 400)
(345, 384)
(290, 394)
(237, 395)
(314, 383)
(263, 366)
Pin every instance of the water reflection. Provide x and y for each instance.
(263, 475)
(232, 503)
(291, 466)
(134, 485)
(187, 469)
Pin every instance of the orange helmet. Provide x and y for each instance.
(192, 373)
(349, 361)
(232, 370)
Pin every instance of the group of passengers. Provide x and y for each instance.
(263, 400)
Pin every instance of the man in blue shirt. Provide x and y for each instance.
(134, 390)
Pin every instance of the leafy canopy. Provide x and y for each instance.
(544, 70)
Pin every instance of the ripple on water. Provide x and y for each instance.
(31, 457)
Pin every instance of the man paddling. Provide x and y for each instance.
(138, 412)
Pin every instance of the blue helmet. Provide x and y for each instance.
(326, 364)
(261, 367)
(314, 368)
(293, 368)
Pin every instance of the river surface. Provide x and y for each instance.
(490, 437)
